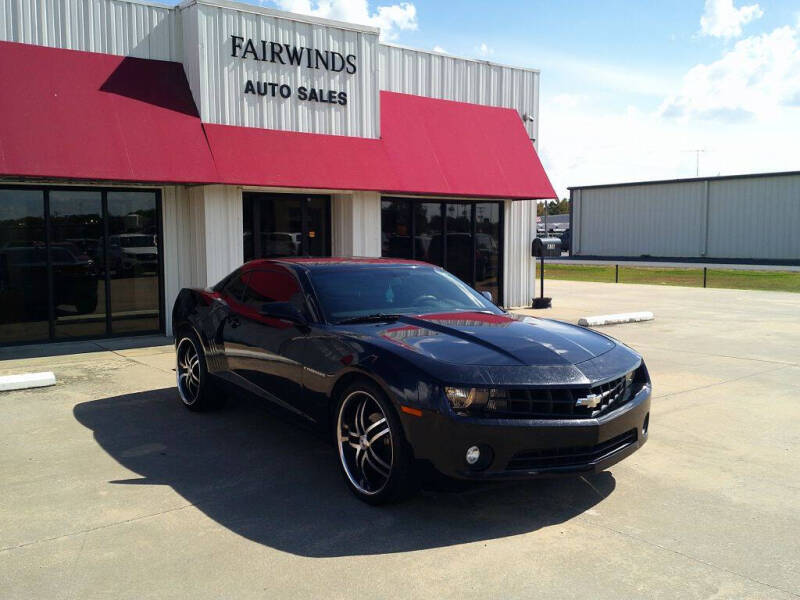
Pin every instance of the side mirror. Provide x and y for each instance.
(286, 311)
(488, 295)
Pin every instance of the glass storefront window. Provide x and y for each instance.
(133, 251)
(428, 232)
(487, 248)
(76, 226)
(459, 241)
(463, 237)
(395, 229)
(54, 284)
(277, 225)
(24, 311)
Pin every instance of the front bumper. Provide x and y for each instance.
(523, 449)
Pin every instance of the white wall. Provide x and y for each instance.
(756, 217)
(218, 79)
(202, 237)
(356, 224)
(739, 217)
(107, 26)
(655, 220)
(519, 269)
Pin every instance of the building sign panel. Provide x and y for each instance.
(257, 68)
(288, 54)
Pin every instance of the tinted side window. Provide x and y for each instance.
(272, 286)
(236, 286)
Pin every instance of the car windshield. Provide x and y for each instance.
(408, 290)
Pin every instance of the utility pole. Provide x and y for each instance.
(697, 152)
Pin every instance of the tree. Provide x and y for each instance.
(554, 207)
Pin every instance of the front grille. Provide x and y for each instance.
(570, 457)
(563, 403)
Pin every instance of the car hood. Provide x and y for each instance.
(474, 338)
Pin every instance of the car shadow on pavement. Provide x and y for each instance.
(277, 484)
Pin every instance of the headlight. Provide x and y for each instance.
(629, 378)
(461, 398)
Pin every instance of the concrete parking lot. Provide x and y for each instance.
(111, 489)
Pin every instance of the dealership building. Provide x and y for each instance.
(146, 148)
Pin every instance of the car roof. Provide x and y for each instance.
(336, 262)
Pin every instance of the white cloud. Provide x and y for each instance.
(722, 19)
(757, 77)
(390, 19)
(440, 49)
(744, 109)
(484, 50)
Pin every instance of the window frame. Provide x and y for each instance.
(46, 189)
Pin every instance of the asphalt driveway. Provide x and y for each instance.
(111, 489)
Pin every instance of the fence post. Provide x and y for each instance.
(705, 275)
(616, 273)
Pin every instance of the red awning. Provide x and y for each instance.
(458, 149)
(268, 157)
(81, 115)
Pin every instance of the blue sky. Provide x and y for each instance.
(628, 89)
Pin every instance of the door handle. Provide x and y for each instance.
(234, 321)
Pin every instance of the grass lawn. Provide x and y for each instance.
(780, 281)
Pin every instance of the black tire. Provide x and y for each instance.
(375, 459)
(195, 389)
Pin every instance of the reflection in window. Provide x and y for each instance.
(276, 225)
(459, 241)
(470, 248)
(395, 229)
(24, 315)
(428, 232)
(133, 249)
(265, 286)
(487, 247)
(76, 230)
(67, 281)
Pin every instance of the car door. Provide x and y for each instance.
(265, 351)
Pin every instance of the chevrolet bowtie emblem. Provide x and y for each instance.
(589, 401)
(592, 400)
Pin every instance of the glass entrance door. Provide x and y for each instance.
(285, 225)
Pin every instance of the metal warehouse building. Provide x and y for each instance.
(146, 148)
(738, 217)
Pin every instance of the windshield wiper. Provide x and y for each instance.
(373, 318)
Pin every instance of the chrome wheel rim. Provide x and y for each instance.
(366, 447)
(188, 371)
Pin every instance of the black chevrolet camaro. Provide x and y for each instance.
(408, 367)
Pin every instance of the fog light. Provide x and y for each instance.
(473, 455)
(645, 425)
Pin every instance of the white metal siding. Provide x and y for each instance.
(654, 220)
(519, 269)
(218, 79)
(756, 217)
(202, 238)
(356, 224)
(436, 75)
(107, 26)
